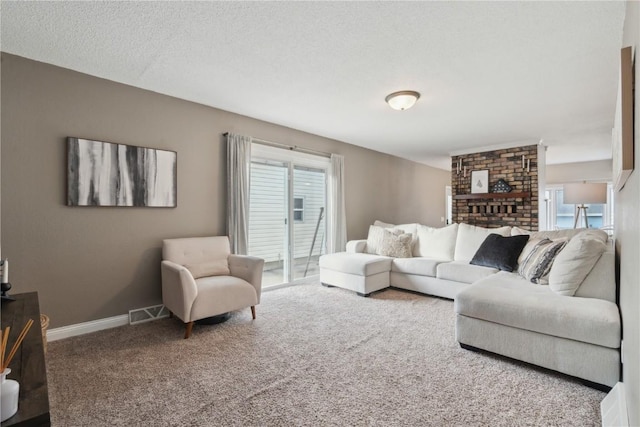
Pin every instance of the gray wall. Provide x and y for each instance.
(92, 263)
(627, 235)
(597, 171)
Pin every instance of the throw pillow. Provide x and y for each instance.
(383, 224)
(396, 245)
(374, 239)
(574, 263)
(470, 238)
(500, 252)
(211, 268)
(537, 261)
(436, 243)
(408, 229)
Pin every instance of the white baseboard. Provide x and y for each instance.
(613, 408)
(115, 321)
(87, 327)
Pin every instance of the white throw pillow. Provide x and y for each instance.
(557, 234)
(436, 243)
(374, 239)
(407, 228)
(574, 262)
(383, 224)
(470, 237)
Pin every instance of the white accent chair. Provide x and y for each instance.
(201, 278)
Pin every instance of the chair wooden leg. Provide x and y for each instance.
(170, 314)
(187, 333)
(253, 312)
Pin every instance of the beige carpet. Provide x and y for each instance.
(315, 356)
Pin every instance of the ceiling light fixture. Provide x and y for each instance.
(402, 100)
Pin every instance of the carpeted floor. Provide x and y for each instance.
(315, 356)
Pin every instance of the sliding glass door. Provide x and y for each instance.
(309, 209)
(268, 205)
(287, 226)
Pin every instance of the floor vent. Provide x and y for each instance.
(147, 314)
(613, 408)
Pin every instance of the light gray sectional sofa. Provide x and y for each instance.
(571, 325)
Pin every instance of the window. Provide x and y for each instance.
(562, 216)
(298, 209)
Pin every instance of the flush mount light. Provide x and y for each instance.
(402, 100)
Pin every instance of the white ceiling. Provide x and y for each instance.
(490, 73)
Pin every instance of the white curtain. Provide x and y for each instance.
(337, 217)
(238, 174)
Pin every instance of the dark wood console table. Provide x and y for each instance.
(28, 365)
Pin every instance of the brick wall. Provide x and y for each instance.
(491, 212)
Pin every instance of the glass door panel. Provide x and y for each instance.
(287, 210)
(268, 213)
(309, 212)
(565, 214)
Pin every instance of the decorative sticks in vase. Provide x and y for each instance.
(4, 363)
(9, 389)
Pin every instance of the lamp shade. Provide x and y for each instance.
(402, 100)
(583, 193)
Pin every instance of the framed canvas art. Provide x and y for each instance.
(479, 181)
(622, 133)
(107, 174)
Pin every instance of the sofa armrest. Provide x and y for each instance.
(248, 268)
(356, 246)
(179, 289)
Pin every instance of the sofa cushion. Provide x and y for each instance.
(358, 264)
(560, 234)
(436, 243)
(508, 299)
(470, 237)
(356, 246)
(395, 245)
(218, 267)
(460, 271)
(549, 234)
(418, 266)
(500, 252)
(537, 262)
(195, 250)
(574, 262)
(601, 280)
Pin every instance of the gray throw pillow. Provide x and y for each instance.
(536, 265)
(396, 245)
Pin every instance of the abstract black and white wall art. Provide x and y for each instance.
(107, 174)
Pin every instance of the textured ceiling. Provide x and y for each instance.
(490, 73)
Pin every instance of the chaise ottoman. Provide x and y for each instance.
(362, 273)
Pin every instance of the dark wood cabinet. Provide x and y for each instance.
(28, 365)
